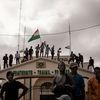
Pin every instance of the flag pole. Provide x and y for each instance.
(20, 8)
(40, 38)
(24, 41)
(69, 39)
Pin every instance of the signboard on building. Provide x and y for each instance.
(37, 72)
(23, 72)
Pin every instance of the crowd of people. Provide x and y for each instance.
(79, 59)
(43, 50)
(71, 86)
(65, 86)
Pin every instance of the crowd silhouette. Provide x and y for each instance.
(74, 61)
(43, 50)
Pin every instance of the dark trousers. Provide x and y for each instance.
(5, 65)
(78, 98)
(10, 62)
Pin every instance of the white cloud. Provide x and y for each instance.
(52, 16)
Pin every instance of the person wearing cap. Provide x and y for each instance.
(78, 91)
(9, 90)
(62, 82)
(94, 85)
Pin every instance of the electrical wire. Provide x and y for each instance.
(57, 33)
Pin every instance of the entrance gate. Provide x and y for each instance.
(47, 97)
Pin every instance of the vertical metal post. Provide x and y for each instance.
(69, 39)
(24, 96)
(30, 89)
(24, 41)
(20, 7)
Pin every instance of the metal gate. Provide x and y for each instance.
(47, 97)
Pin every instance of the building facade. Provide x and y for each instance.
(37, 75)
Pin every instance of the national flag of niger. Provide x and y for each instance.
(35, 36)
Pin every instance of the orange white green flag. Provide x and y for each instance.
(35, 36)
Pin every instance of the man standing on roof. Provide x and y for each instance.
(91, 62)
(17, 57)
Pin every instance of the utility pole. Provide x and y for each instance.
(69, 39)
(20, 8)
(24, 41)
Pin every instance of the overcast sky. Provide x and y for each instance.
(50, 17)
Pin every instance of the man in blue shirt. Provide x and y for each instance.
(78, 91)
